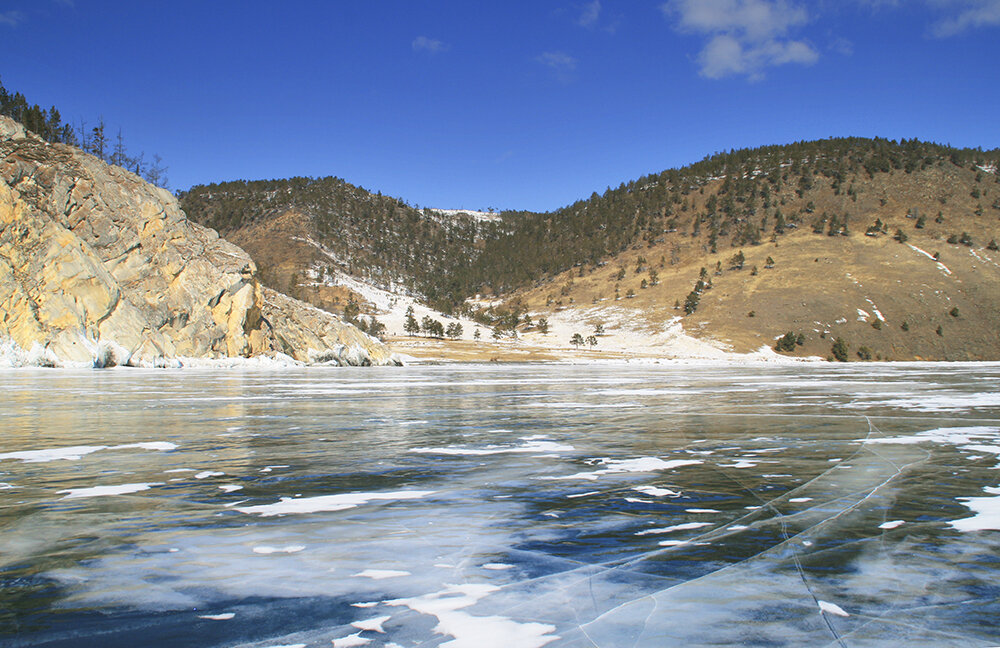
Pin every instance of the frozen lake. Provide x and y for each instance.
(508, 506)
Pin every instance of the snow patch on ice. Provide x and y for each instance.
(656, 492)
(640, 465)
(986, 509)
(339, 502)
(529, 445)
(471, 631)
(832, 608)
(104, 491)
(373, 624)
(225, 616)
(287, 549)
(74, 453)
(350, 641)
(382, 574)
(686, 526)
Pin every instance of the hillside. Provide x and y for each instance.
(98, 267)
(851, 226)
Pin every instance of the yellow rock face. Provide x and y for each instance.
(92, 256)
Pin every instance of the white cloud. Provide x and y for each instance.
(590, 14)
(971, 14)
(425, 44)
(745, 36)
(11, 18)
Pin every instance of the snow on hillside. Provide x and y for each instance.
(481, 216)
(623, 333)
(391, 305)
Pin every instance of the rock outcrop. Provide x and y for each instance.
(97, 265)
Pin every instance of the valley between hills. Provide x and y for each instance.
(843, 249)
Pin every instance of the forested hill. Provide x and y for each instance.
(728, 200)
(339, 227)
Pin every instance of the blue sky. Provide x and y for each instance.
(524, 104)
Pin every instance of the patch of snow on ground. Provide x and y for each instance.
(626, 331)
(942, 267)
(481, 216)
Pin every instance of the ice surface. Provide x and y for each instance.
(433, 512)
(225, 616)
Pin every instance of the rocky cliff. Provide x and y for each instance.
(98, 266)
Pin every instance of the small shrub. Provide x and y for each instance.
(839, 350)
(752, 314)
(953, 312)
(940, 331)
(786, 343)
(904, 326)
(877, 324)
(865, 354)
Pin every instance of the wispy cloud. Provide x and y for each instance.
(954, 16)
(425, 44)
(966, 14)
(562, 64)
(11, 18)
(745, 37)
(559, 61)
(590, 14)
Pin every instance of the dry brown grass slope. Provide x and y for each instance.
(822, 286)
